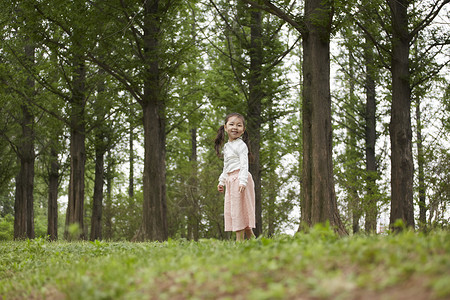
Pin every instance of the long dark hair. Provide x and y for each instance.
(220, 138)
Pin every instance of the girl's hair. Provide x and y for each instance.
(220, 138)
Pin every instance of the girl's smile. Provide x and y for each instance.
(234, 128)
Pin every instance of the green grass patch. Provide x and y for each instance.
(317, 265)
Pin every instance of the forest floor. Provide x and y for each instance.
(317, 265)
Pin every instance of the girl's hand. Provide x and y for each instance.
(242, 188)
(220, 188)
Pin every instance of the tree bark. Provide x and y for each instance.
(154, 179)
(97, 205)
(352, 152)
(100, 150)
(370, 206)
(402, 168)
(271, 188)
(421, 172)
(193, 215)
(155, 207)
(131, 149)
(254, 111)
(108, 197)
(319, 203)
(24, 200)
(53, 183)
(75, 208)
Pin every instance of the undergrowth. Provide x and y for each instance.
(317, 265)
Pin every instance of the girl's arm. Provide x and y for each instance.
(222, 176)
(243, 164)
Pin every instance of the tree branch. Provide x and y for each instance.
(274, 10)
(380, 48)
(283, 55)
(183, 119)
(137, 37)
(227, 23)
(429, 18)
(122, 78)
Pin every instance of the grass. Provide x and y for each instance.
(318, 265)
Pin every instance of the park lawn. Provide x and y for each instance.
(317, 265)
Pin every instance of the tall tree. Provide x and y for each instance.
(131, 152)
(271, 188)
(194, 213)
(21, 53)
(53, 184)
(318, 201)
(143, 61)
(101, 139)
(184, 116)
(24, 200)
(318, 195)
(51, 151)
(402, 165)
(358, 119)
(353, 157)
(403, 30)
(370, 206)
(75, 207)
(427, 84)
(420, 164)
(66, 37)
(254, 104)
(108, 215)
(154, 218)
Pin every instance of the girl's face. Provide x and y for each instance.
(234, 127)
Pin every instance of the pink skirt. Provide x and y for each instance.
(239, 208)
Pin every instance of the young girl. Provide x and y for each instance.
(235, 180)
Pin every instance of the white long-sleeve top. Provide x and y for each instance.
(235, 156)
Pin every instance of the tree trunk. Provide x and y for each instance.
(75, 208)
(23, 211)
(356, 210)
(353, 183)
(154, 207)
(24, 200)
(254, 111)
(131, 149)
(402, 168)
(53, 183)
(100, 150)
(271, 188)
(193, 215)
(319, 203)
(97, 205)
(370, 206)
(23, 207)
(154, 179)
(420, 163)
(108, 196)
